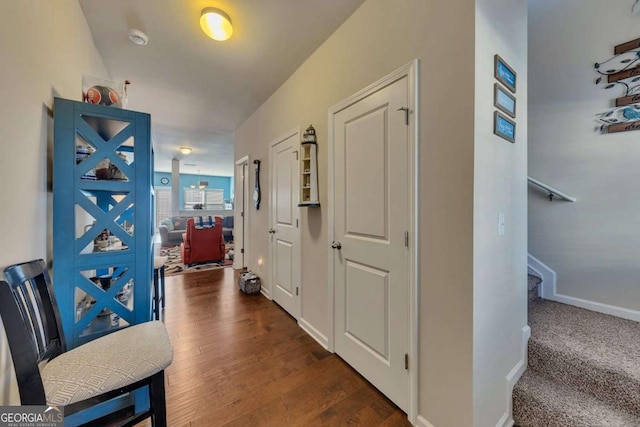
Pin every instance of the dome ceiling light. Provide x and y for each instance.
(216, 24)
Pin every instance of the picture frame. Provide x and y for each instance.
(505, 74)
(504, 127)
(504, 101)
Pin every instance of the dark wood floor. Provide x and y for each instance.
(240, 360)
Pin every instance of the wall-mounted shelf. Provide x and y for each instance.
(309, 174)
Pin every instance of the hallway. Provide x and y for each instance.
(242, 361)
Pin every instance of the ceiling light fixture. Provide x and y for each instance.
(185, 150)
(216, 24)
(138, 37)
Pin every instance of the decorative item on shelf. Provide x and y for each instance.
(104, 92)
(309, 174)
(256, 190)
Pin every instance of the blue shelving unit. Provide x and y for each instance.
(102, 216)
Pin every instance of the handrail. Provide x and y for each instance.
(552, 191)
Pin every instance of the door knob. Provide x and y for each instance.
(336, 245)
(272, 231)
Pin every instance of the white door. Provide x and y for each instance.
(285, 231)
(371, 222)
(241, 210)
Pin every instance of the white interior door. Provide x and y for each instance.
(371, 225)
(241, 205)
(285, 231)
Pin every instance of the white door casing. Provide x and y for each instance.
(285, 218)
(241, 212)
(373, 198)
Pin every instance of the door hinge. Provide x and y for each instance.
(296, 223)
(406, 114)
(296, 290)
(406, 239)
(242, 214)
(242, 251)
(296, 155)
(406, 361)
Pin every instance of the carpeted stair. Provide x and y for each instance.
(584, 369)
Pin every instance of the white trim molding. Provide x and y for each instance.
(315, 334)
(549, 290)
(514, 375)
(422, 422)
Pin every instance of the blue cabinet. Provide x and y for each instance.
(102, 218)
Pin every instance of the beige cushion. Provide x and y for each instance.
(107, 363)
(159, 261)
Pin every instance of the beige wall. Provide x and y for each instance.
(378, 38)
(46, 47)
(500, 262)
(591, 244)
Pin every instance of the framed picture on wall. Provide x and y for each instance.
(504, 127)
(504, 101)
(505, 74)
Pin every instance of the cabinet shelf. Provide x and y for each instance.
(309, 175)
(87, 210)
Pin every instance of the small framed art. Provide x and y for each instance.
(505, 74)
(504, 127)
(504, 101)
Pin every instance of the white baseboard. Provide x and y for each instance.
(514, 375)
(549, 291)
(613, 310)
(264, 291)
(315, 334)
(422, 422)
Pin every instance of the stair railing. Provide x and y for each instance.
(552, 191)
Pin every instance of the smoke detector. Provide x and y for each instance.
(138, 37)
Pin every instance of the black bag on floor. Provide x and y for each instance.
(249, 283)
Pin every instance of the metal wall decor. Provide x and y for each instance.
(622, 71)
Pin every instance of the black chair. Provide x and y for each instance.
(103, 369)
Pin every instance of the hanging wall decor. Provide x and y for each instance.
(256, 190)
(309, 175)
(621, 72)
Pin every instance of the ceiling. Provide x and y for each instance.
(197, 90)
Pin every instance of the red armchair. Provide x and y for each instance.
(202, 244)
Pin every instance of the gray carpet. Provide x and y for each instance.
(532, 286)
(584, 369)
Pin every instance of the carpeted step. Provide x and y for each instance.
(539, 401)
(533, 284)
(593, 352)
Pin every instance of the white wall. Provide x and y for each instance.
(499, 262)
(592, 244)
(378, 38)
(46, 47)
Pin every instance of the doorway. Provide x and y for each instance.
(285, 222)
(373, 233)
(241, 220)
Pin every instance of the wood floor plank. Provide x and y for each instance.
(240, 360)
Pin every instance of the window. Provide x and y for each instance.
(163, 204)
(209, 198)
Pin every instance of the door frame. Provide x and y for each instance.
(412, 72)
(287, 135)
(244, 220)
